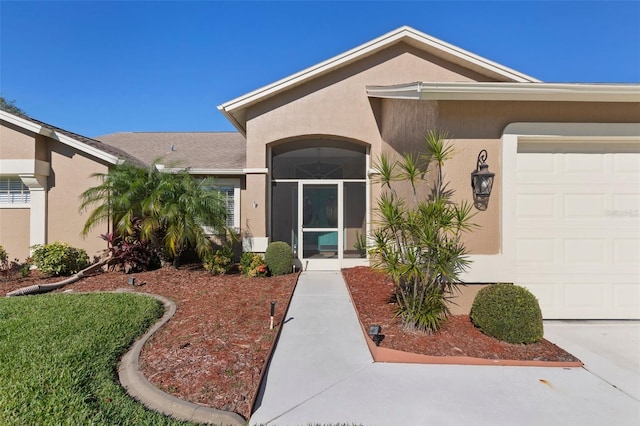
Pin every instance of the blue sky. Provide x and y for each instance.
(101, 67)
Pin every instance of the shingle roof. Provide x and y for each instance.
(201, 150)
(109, 149)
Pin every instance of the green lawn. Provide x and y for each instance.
(59, 356)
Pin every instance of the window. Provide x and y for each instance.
(230, 189)
(229, 195)
(13, 191)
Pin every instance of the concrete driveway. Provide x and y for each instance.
(322, 373)
(609, 350)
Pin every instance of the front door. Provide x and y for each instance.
(321, 223)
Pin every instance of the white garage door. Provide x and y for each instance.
(578, 228)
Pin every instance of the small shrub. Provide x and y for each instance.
(252, 265)
(4, 259)
(509, 313)
(59, 258)
(23, 268)
(130, 254)
(428, 312)
(279, 258)
(220, 261)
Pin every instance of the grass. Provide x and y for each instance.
(59, 356)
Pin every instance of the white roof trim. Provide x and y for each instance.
(400, 34)
(501, 91)
(74, 143)
(20, 122)
(217, 172)
(88, 149)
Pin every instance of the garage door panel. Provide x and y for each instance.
(584, 164)
(584, 250)
(534, 163)
(577, 206)
(627, 204)
(626, 164)
(626, 295)
(537, 206)
(585, 294)
(626, 251)
(578, 229)
(536, 251)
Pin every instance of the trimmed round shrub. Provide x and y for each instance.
(509, 313)
(59, 258)
(279, 258)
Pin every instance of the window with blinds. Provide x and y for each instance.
(13, 191)
(230, 190)
(229, 194)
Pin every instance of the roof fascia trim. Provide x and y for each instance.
(364, 49)
(218, 172)
(74, 143)
(87, 149)
(509, 91)
(20, 122)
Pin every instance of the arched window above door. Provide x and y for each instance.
(319, 159)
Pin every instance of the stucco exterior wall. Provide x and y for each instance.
(56, 175)
(473, 126)
(336, 106)
(15, 143)
(14, 233)
(253, 217)
(69, 177)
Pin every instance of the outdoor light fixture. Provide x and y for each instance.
(132, 281)
(482, 182)
(374, 333)
(273, 313)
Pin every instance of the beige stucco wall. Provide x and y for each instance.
(473, 126)
(70, 176)
(336, 106)
(14, 233)
(253, 220)
(15, 143)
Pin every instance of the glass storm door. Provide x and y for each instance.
(320, 218)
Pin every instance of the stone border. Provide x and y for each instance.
(139, 388)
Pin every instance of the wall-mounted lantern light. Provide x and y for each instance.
(482, 182)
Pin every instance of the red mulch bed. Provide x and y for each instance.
(214, 348)
(372, 292)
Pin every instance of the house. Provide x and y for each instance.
(563, 218)
(43, 171)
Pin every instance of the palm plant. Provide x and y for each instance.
(418, 241)
(167, 210)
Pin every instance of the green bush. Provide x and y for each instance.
(279, 258)
(509, 313)
(252, 265)
(220, 261)
(4, 259)
(59, 258)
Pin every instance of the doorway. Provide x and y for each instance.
(319, 202)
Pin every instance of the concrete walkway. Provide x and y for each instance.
(322, 372)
